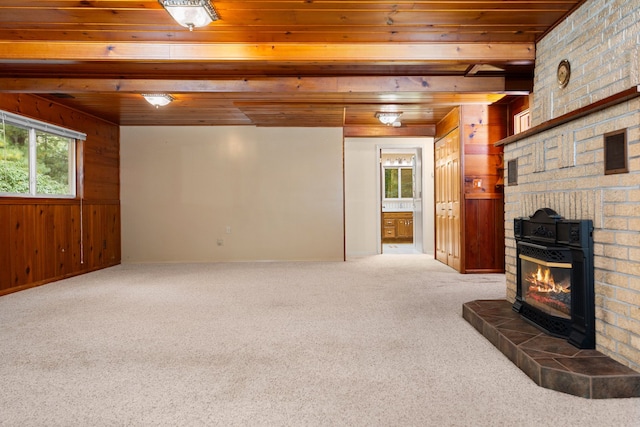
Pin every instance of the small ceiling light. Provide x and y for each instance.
(387, 118)
(191, 13)
(158, 99)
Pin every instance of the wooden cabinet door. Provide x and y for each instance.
(388, 228)
(397, 227)
(405, 228)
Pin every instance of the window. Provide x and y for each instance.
(398, 183)
(522, 121)
(36, 158)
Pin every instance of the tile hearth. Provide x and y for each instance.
(550, 362)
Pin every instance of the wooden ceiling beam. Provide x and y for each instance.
(291, 52)
(290, 85)
(374, 131)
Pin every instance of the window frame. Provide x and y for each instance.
(33, 127)
(522, 121)
(399, 169)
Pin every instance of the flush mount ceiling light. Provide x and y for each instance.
(158, 99)
(191, 13)
(388, 118)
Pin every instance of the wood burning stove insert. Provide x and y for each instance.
(555, 275)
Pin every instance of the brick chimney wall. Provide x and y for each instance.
(563, 168)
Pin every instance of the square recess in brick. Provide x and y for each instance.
(615, 152)
(512, 172)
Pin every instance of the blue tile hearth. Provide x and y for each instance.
(550, 362)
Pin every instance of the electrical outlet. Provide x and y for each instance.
(228, 229)
(220, 242)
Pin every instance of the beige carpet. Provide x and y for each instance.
(376, 341)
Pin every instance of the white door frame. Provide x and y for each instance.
(418, 234)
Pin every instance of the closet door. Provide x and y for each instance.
(448, 221)
(440, 199)
(453, 179)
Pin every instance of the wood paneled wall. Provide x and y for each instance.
(478, 224)
(47, 239)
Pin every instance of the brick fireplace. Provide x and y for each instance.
(565, 163)
(563, 168)
(555, 275)
(561, 163)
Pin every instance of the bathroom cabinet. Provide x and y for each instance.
(397, 227)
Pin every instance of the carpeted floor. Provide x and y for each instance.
(375, 341)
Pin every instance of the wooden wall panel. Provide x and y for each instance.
(481, 214)
(450, 122)
(102, 236)
(5, 253)
(60, 247)
(22, 244)
(102, 164)
(485, 221)
(483, 177)
(76, 257)
(93, 242)
(41, 239)
(45, 231)
(113, 251)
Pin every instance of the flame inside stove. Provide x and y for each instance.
(542, 281)
(546, 286)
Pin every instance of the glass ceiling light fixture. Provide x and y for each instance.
(388, 118)
(191, 13)
(158, 99)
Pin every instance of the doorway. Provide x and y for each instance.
(400, 196)
(362, 191)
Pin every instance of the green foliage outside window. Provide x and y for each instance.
(398, 183)
(390, 183)
(406, 183)
(52, 162)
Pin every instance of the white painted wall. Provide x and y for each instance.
(362, 199)
(278, 189)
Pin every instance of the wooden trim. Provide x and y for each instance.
(610, 101)
(10, 200)
(483, 196)
(55, 279)
(27, 200)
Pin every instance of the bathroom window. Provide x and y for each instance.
(398, 183)
(36, 158)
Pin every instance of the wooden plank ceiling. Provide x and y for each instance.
(274, 63)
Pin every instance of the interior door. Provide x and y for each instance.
(447, 195)
(441, 201)
(453, 202)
